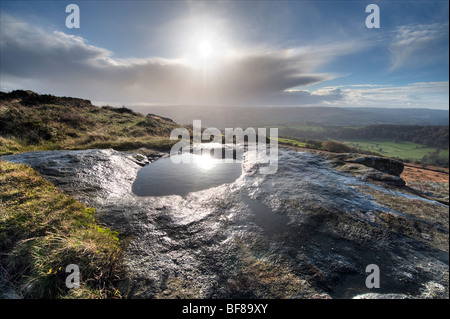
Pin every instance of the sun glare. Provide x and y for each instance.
(205, 49)
(205, 53)
(205, 161)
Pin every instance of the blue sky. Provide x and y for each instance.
(274, 53)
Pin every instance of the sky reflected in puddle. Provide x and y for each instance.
(193, 173)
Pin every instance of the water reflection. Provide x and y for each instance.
(192, 173)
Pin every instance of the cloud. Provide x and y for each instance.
(62, 64)
(58, 63)
(296, 97)
(415, 95)
(31, 52)
(415, 45)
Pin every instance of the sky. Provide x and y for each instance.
(230, 53)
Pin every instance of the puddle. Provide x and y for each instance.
(193, 173)
(275, 226)
(272, 223)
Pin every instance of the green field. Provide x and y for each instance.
(291, 142)
(402, 150)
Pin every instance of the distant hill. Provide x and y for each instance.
(410, 116)
(222, 117)
(30, 121)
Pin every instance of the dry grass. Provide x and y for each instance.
(49, 127)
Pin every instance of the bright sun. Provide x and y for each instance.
(205, 46)
(205, 49)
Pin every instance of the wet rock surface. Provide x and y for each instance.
(308, 231)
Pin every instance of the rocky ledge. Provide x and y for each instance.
(369, 168)
(308, 231)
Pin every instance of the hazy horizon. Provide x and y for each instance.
(255, 116)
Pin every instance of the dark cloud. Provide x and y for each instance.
(57, 63)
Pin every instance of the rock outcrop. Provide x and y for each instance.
(369, 168)
(385, 165)
(308, 231)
